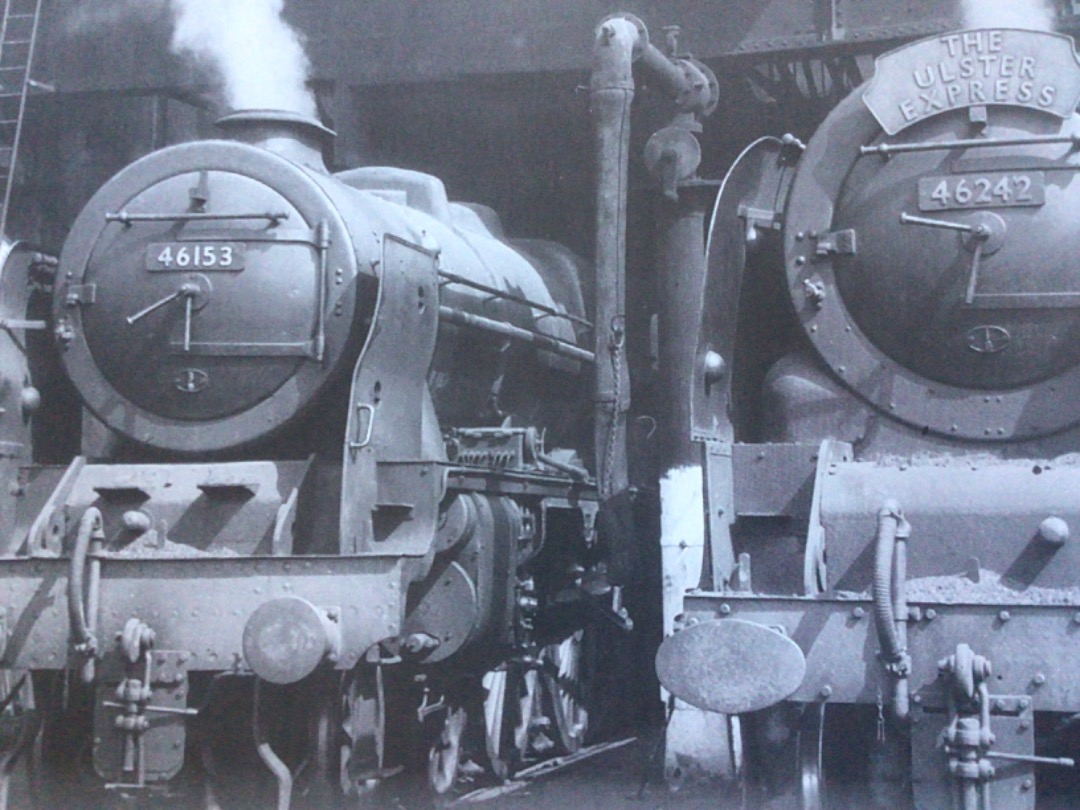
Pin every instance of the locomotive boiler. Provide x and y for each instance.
(883, 397)
(330, 478)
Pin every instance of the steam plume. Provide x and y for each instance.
(1037, 15)
(259, 56)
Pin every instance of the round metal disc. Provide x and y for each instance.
(730, 666)
(285, 640)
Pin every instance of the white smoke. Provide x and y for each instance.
(259, 57)
(1037, 15)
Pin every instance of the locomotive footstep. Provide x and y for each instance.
(730, 666)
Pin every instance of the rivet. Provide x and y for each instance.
(1025, 702)
(826, 692)
(1027, 784)
(800, 261)
(1039, 679)
(858, 613)
(930, 614)
(725, 609)
(1004, 615)
(916, 699)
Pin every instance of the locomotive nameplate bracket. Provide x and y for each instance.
(1035, 70)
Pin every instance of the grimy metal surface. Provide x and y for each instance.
(1033, 649)
(196, 605)
(959, 509)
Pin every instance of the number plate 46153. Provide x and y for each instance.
(195, 256)
(984, 190)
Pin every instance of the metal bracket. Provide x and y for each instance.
(842, 243)
(80, 294)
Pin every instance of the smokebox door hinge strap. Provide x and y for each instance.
(843, 243)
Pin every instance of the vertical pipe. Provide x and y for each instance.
(681, 277)
(611, 93)
(680, 269)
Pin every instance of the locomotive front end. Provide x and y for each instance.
(211, 291)
(900, 611)
(315, 471)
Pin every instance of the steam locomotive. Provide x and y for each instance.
(884, 395)
(330, 478)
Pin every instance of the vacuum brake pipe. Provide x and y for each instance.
(88, 542)
(890, 600)
(621, 39)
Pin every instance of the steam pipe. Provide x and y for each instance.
(619, 41)
(890, 602)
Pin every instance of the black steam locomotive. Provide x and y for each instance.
(330, 477)
(886, 396)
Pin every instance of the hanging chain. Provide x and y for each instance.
(880, 718)
(618, 340)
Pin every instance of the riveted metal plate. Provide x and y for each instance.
(1034, 652)
(200, 605)
(958, 509)
(774, 479)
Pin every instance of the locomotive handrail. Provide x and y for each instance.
(545, 342)
(966, 143)
(191, 216)
(454, 278)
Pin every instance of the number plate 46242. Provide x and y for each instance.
(984, 190)
(195, 256)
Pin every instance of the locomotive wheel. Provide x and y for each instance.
(563, 688)
(508, 714)
(19, 726)
(444, 756)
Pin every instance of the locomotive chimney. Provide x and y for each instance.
(297, 137)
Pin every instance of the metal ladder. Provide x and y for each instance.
(18, 35)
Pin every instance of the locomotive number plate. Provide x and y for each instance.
(985, 190)
(195, 256)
